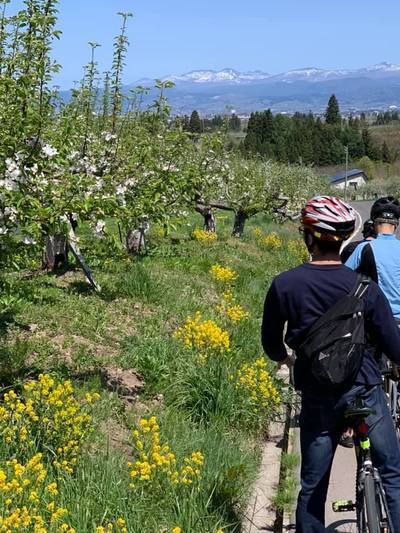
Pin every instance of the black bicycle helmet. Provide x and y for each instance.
(369, 229)
(386, 209)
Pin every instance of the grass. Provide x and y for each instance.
(285, 497)
(59, 326)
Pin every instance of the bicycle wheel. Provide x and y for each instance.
(397, 412)
(373, 512)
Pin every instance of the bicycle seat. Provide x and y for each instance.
(358, 412)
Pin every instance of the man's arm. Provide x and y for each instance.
(348, 250)
(363, 260)
(381, 324)
(354, 260)
(273, 324)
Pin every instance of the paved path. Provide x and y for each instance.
(341, 487)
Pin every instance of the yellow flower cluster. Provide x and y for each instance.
(205, 336)
(27, 500)
(271, 241)
(229, 308)
(257, 232)
(256, 386)
(177, 529)
(156, 462)
(298, 250)
(47, 417)
(223, 274)
(204, 236)
(119, 525)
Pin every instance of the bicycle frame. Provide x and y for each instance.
(370, 494)
(366, 468)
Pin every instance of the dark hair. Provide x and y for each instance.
(326, 247)
(329, 247)
(369, 229)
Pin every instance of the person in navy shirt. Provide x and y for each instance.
(295, 300)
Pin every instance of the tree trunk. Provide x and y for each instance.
(136, 240)
(55, 254)
(208, 217)
(239, 223)
(209, 221)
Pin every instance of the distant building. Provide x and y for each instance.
(355, 179)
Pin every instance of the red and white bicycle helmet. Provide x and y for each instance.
(328, 218)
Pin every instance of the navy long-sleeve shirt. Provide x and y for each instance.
(298, 297)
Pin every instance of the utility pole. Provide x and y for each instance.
(346, 151)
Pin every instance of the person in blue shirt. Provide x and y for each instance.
(368, 234)
(380, 258)
(295, 300)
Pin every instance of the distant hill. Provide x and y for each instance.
(370, 88)
(308, 89)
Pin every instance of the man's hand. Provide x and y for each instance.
(289, 361)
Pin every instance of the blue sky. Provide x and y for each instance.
(175, 36)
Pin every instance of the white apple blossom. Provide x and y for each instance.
(29, 241)
(99, 230)
(49, 151)
(10, 213)
(121, 190)
(100, 184)
(108, 136)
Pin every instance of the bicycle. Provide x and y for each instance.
(391, 379)
(371, 505)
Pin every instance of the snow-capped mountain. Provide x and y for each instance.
(222, 76)
(375, 87)
(310, 74)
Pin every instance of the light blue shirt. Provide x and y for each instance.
(386, 249)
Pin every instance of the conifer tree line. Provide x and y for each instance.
(388, 117)
(307, 139)
(195, 124)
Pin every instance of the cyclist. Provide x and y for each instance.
(296, 299)
(380, 258)
(368, 233)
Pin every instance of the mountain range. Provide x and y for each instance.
(307, 89)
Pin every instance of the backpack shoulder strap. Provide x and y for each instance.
(361, 286)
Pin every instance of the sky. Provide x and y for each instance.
(177, 36)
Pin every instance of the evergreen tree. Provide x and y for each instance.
(317, 141)
(217, 121)
(195, 123)
(267, 127)
(370, 149)
(234, 123)
(385, 153)
(332, 114)
(251, 141)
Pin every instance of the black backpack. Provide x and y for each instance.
(334, 346)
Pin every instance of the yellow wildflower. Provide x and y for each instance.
(204, 237)
(271, 242)
(223, 274)
(205, 336)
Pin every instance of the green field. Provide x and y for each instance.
(59, 326)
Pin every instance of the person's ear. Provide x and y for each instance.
(309, 240)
